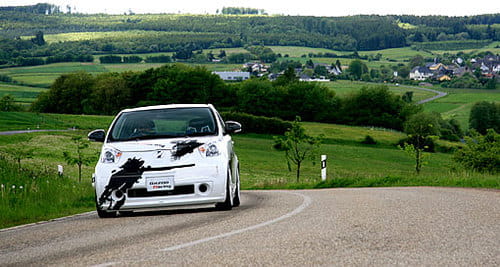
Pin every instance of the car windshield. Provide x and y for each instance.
(163, 123)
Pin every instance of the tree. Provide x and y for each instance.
(375, 106)
(408, 97)
(38, 40)
(485, 115)
(7, 103)
(338, 64)
(288, 77)
(297, 145)
(357, 68)
(67, 94)
(481, 153)
(80, 158)
(320, 71)
(419, 127)
(415, 61)
(222, 54)
(110, 94)
(19, 152)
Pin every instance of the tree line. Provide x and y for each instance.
(84, 93)
(353, 33)
(173, 33)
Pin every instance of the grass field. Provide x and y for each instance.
(344, 87)
(45, 75)
(22, 94)
(458, 103)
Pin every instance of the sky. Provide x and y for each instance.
(330, 8)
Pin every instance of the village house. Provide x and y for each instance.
(489, 66)
(420, 73)
(233, 75)
(255, 67)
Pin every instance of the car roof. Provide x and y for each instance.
(168, 106)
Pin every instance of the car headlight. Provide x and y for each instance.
(111, 156)
(209, 150)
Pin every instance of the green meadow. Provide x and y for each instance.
(45, 75)
(458, 103)
(23, 94)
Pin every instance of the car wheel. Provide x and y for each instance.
(102, 213)
(236, 199)
(228, 202)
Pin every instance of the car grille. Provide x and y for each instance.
(178, 190)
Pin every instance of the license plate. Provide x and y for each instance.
(160, 183)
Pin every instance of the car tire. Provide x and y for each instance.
(228, 203)
(236, 199)
(102, 213)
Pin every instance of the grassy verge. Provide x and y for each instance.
(35, 195)
(465, 179)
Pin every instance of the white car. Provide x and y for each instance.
(166, 156)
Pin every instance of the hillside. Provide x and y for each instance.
(148, 33)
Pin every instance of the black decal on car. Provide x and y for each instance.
(131, 171)
(182, 148)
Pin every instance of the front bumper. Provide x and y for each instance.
(198, 185)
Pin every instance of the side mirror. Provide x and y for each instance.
(97, 135)
(233, 127)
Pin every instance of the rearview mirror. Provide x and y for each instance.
(97, 135)
(233, 127)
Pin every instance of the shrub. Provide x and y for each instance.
(482, 153)
(8, 103)
(110, 59)
(258, 124)
(369, 140)
(132, 59)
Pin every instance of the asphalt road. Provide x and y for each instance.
(369, 226)
(439, 94)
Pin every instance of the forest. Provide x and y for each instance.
(174, 32)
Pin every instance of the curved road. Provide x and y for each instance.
(368, 226)
(439, 94)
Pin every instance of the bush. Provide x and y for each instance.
(110, 59)
(258, 124)
(132, 59)
(7, 103)
(369, 140)
(482, 153)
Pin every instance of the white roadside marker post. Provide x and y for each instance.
(60, 170)
(323, 167)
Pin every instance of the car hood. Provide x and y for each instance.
(158, 144)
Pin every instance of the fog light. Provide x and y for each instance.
(203, 188)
